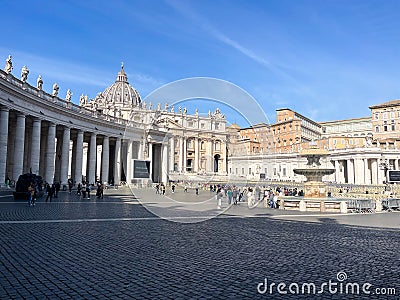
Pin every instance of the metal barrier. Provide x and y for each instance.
(361, 205)
(391, 204)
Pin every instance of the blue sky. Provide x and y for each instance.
(328, 60)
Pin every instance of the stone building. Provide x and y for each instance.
(102, 138)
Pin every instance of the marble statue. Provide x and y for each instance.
(55, 90)
(180, 109)
(144, 105)
(82, 100)
(159, 106)
(172, 109)
(39, 83)
(166, 106)
(150, 106)
(185, 110)
(8, 68)
(68, 96)
(197, 112)
(24, 74)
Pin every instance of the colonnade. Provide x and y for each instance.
(56, 151)
(362, 170)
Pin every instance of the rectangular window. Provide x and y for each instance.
(242, 171)
(249, 171)
(284, 171)
(377, 116)
(393, 125)
(376, 128)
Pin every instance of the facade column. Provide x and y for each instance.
(172, 154)
(374, 170)
(50, 153)
(19, 146)
(65, 155)
(164, 164)
(141, 150)
(184, 155)
(396, 164)
(35, 146)
(105, 164)
(337, 171)
(128, 171)
(117, 162)
(180, 168)
(196, 155)
(210, 159)
(358, 171)
(79, 157)
(151, 159)
(367, 173)
(4, 116)
(350, 171)
(92, 159)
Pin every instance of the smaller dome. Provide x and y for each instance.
(120, 94)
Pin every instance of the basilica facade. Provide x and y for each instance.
(100, 139)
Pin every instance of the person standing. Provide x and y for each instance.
(163, 188)
(219, 196)
(79, 188)
(49, 192)
(230, 195)
(31, 192)
(70, 184)
(250, 198)
(57, 188)
(173, 188)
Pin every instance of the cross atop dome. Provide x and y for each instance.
(122, 75)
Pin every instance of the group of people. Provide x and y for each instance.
(85, 188)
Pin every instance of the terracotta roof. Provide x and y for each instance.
(386, 104)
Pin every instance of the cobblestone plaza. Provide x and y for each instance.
(114, 248)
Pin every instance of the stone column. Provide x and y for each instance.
(381, 173)
(396, 164)
(350, 171)
(4, 114)
(151, 159)
(92, 159)
(141, 150)
(65, 155)
(164, 158)
(128, 170)
(35, 146)
(180, 164)
(117, 162)
(172, 153)
(78, 157)
(105, 159)
(210, 158)
(184, 155)
(358, 171)
(374, 170)
(50, 153)
(19, 146)
(196, 155)
(337, 171)
(367, 173)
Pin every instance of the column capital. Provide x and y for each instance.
(4, 108)
(20, 115)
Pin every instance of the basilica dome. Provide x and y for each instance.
(120, 94)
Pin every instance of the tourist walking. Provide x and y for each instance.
(31, 192)
(84, 191)
(79, 188)
(57, 188)
(219, 198)
(250, 198)
(230, 196)
(70, 184)
(49, 192)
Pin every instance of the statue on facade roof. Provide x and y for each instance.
(55, 90)
(166, 106)
(24, 74)
(185, 110)
(159, 106)
(81, 100)
(68, 96)
(172, 109)
(8, 68)
(197, 112)
(209, 113)
(180, 110)
(150, 106)
(39, 83)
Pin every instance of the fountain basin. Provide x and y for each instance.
(314, 174)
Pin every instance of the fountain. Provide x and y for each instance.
(314, 187)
